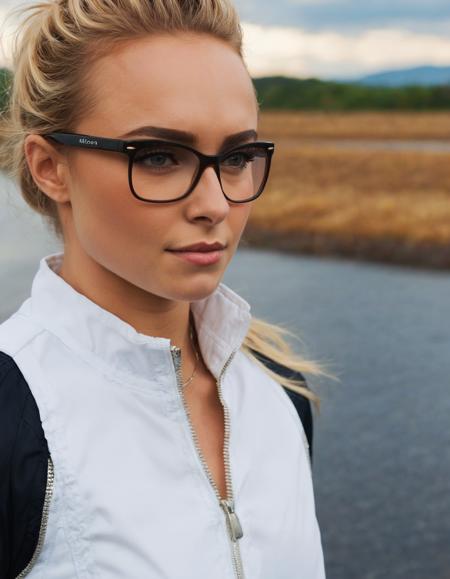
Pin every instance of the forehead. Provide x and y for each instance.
(195, 82)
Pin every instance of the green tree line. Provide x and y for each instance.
(5, 81)
(279, 92)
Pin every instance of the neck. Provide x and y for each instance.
(148, 313)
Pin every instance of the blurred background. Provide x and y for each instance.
(349, 247)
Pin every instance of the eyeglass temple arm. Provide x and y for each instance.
(89, 142)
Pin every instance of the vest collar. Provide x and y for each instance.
(222, 321)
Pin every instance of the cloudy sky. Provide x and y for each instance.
(338, 38)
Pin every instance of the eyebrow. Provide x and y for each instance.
(189, 138)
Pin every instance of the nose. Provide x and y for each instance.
(207, 200)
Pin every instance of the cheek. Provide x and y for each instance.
(238, 218)
(110, 223)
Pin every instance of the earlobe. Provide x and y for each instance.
(48, 168)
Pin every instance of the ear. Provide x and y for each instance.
(48, 167)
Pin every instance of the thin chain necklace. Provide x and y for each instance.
(189, 380)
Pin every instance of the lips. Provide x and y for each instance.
(199, 257)
(200, 247)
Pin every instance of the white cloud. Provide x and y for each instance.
(293, 51)
(296, 52)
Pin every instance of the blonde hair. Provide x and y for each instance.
(52, 49)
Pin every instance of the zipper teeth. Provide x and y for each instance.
(44, 519)
(226, 455)
(237, 559)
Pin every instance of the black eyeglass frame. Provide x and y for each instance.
(132, 147)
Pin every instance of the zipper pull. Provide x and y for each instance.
(233, 524)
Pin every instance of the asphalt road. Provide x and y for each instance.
(382, 444)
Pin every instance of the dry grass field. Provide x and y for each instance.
(336, 188)
(373, 125)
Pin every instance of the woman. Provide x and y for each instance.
(168, 448)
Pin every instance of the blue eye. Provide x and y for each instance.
(239, 159)
(156, 159)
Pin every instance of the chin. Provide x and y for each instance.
(197, 289)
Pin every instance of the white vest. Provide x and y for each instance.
(131, 497)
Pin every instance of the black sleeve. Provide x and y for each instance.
(23, 470)
(301, 403)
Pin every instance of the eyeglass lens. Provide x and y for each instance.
(163, 173)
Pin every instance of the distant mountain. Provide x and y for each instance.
(420, 75)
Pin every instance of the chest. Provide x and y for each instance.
(207, 419)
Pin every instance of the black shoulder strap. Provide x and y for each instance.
(23, 470)
(301, 403)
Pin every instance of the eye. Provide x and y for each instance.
(239, 159)
(156, 159)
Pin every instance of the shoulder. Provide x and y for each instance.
(301, 403)
(23, 469)
(17, 404)
(14, 397)
(18, 331)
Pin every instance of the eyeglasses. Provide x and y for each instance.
(161, 171)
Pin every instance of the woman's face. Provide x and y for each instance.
(191, 83)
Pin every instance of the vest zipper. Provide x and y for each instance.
(227, 504)
(44, 519)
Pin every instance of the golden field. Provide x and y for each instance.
(336, 188)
